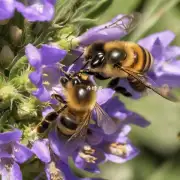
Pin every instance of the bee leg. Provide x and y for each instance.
(119, 89)
(58, 98)
(44, 124)
(100, 77)
(97, 75)
(123, 91)
(113, 83)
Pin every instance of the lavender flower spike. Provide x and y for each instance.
(12, 153)
(41, 10)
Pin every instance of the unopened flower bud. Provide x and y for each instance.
(6, 56)
(8, 93)
(15, 34)
(27, 109)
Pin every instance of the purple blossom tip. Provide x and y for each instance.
(7, 8)
(10, 136)
(37, 10)
(34, 11)
(41, 149)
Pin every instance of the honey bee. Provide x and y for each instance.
(75, 110)
(122, 59)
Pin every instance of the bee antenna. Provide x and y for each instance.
(77, 58)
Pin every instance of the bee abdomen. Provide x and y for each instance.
(142, 59)
(136, 85)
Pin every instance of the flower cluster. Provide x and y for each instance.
(98, 146)
(42, 10)
(45, 66)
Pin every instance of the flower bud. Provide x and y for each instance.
(27, 109)
(6, 56)
(8, 93)
(22, 81)
(15, 34)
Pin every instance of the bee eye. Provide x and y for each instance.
(97, 60)
(76, 81)
(117, 55)
(64, 80)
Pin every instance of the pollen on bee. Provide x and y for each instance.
(118, 149)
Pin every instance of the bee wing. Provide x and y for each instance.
(104, 121)
(163, 91)
(81, 131)
(126, 22)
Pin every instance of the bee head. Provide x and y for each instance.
(95, 54)
(78, 91)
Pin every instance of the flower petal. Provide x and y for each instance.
(51, 54)
(21, 153)
(103, 95)
(10, 136)
(33, 55)
(47, 110)
(60, 146)
(136, 119)
(7, 8)
(14, 173)
(166, 37)
(115, 108)
(82, 163)
(42, 94)
(38, 11)
(66, 171)
(172, 52)
(41, 149)
(157, 50)
(36, 78)
(94, 135)
(105, 32)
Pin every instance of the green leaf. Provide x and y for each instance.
(150, 20)
(18, 67)
(117, 7)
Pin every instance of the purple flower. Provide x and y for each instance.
(12, 153)
(165, 67)
(88, 158)
(118, 148)
(54, 166)
(44, 60)
(106, 32)
(34, 10)
(90, 153)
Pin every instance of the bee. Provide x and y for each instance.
(122, 59)
(74, 112)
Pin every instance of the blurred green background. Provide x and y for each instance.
(159, 145)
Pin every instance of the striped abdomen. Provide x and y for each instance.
(141, 61)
